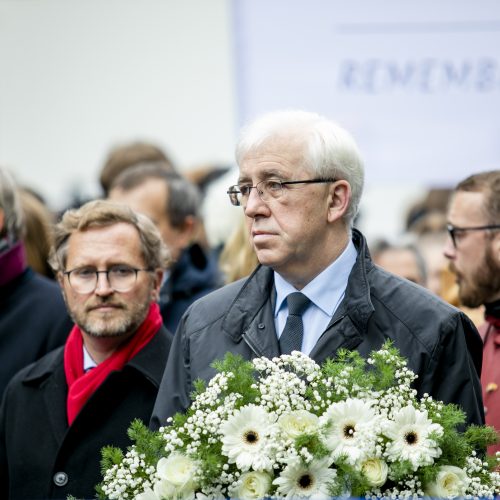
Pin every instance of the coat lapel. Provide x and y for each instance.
(250, 316)
(350, 321)
(49, 374)
(55, 403)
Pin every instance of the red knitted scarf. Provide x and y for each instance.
(82, 385)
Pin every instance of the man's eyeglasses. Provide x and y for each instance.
(454, 231)
(267, 190)
(121, 278)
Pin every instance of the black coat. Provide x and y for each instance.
(40, 456)
(442, 345)
(195, 274)
(33, 321)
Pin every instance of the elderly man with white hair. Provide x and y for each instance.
(316, 289)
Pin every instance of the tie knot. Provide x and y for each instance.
(297, 303)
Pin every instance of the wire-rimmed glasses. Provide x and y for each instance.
(267, 190)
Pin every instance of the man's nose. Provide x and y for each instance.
(103, 286)
(255, 205)
(449, 250)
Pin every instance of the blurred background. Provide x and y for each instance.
(417, 83)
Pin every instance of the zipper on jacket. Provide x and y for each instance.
(251, 345)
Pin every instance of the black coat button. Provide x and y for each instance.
(60, 479)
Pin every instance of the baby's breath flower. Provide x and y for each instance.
(298, 429)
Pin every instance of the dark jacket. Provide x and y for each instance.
(441, 343)
(40, 456)
(194, 275)
(33, 321)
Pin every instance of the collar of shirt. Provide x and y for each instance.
(88, 362)
(326, 291)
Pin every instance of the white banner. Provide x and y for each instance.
(416, 82)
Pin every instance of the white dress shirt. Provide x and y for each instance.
(325, 292)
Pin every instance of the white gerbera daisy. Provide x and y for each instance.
(409, 434)
(299, 480)
(351, 433)
(245, 438)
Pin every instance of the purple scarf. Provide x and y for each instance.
(12, 263)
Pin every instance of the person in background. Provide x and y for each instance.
(238, 258)
(300, 184)
(38, 235)
(402, 260)
(473, 250)
(33, 318)
(426, 222)
(126, 155)
(59, 412)
(172, 202)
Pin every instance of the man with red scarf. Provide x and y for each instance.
(59, 412)
(473, 250)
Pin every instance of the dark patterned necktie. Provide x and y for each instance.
(291, 338)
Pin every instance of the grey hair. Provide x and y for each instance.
(329, 150)
(102, 213)
(10, 203)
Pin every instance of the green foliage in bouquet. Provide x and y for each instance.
(288, 427)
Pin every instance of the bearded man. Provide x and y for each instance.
(59, 412)
(473, 250)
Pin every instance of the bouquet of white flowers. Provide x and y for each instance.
(288, 427)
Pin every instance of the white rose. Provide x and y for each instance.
(253, 485)
(450, 482)
(147, 494)
(375, 471)
(176, 476)
(298, 422)
(163, 489)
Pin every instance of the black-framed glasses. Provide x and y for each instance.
(454, 231)
(267, 190)
(121, 278)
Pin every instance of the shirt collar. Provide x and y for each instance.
(326, 289)
(88, 362)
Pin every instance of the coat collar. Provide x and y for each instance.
(248, 311)
(146, 361)
(254, 293)
(49, 372)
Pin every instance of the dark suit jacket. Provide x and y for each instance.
(40, 456)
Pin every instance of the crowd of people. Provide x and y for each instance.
(112, 310)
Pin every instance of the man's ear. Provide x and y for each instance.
(2, 219)
(185, 233)
(158, 280)
(339, 199)
(496, 246)
(60, 278)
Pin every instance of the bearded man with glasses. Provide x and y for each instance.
(473, 251)
(316, 289)
(58, 413)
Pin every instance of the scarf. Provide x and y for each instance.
(12, 263)
(82, 385)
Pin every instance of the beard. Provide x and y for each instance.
(485, 283)
(123, 321)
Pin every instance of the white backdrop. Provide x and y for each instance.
(416, 82)
(77, 77)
